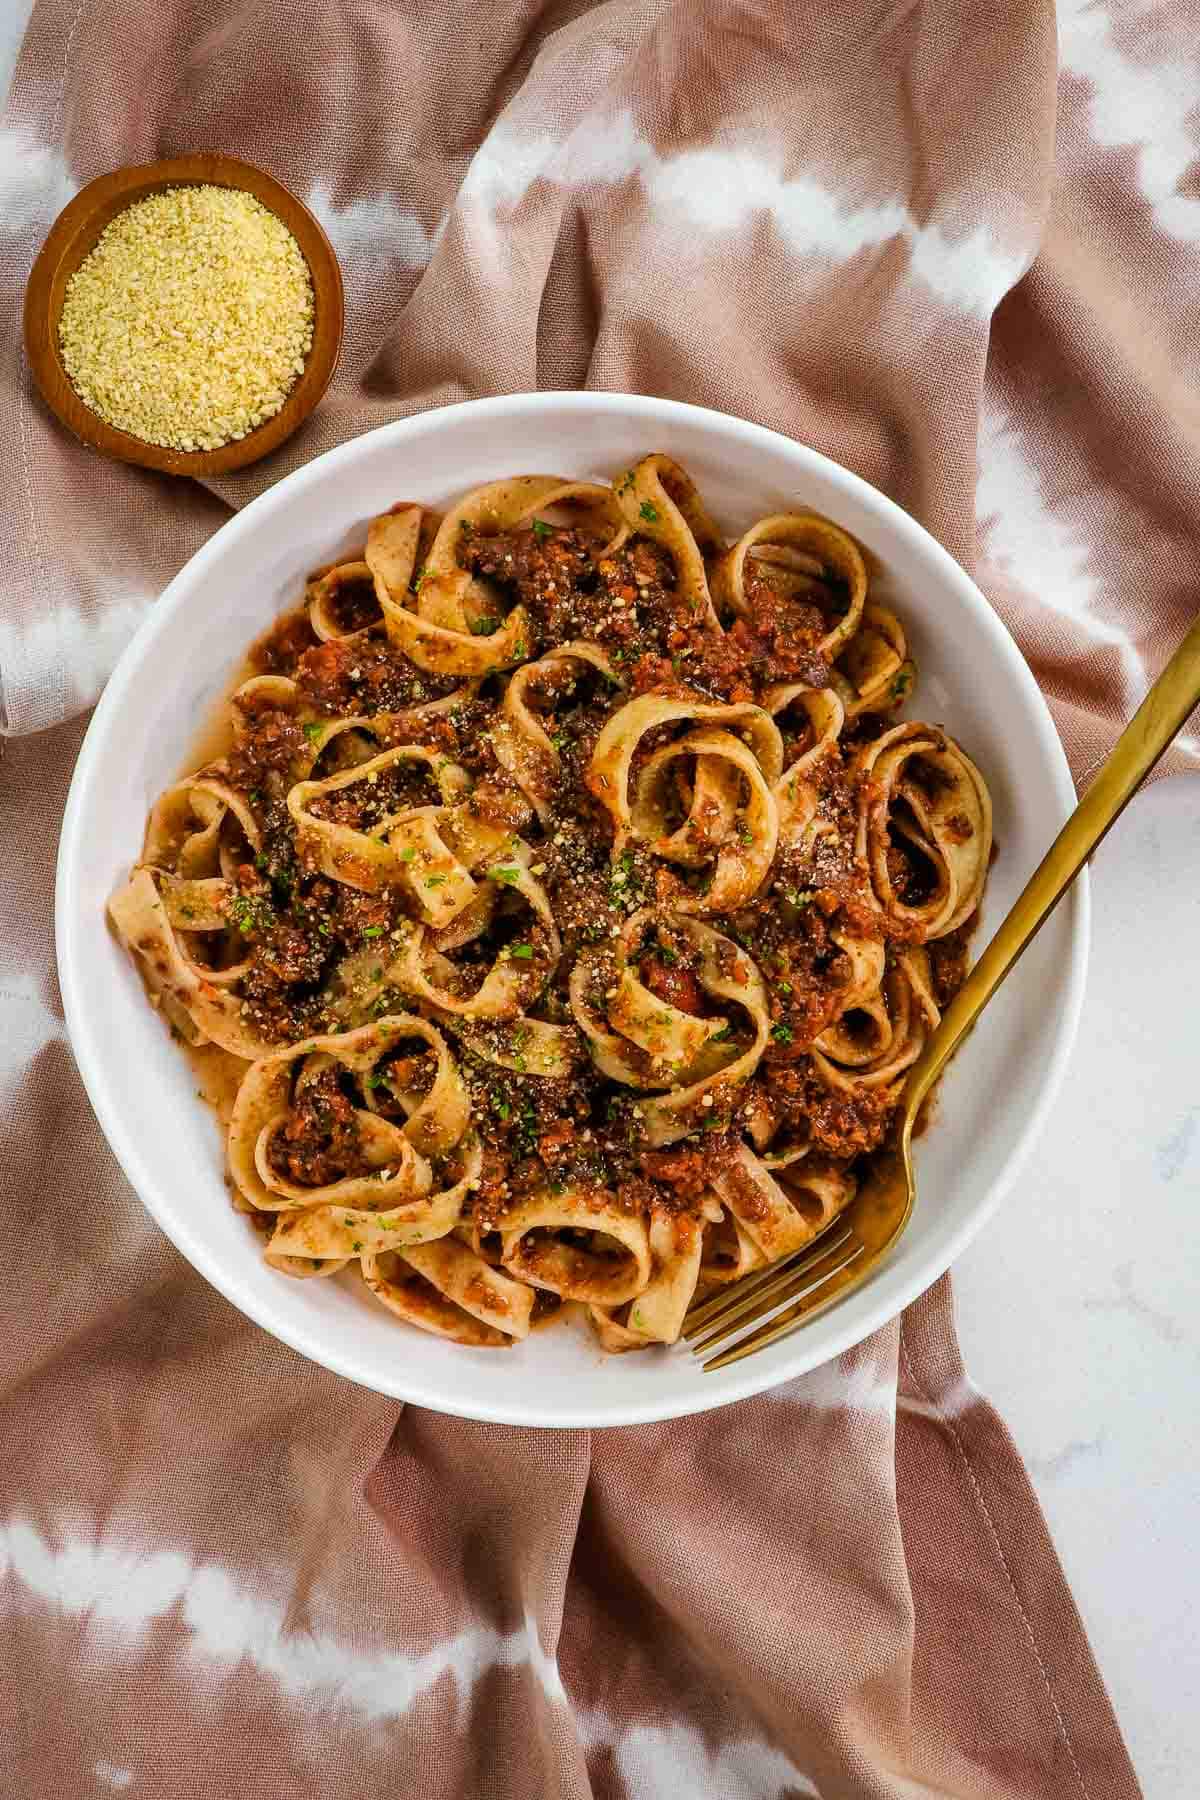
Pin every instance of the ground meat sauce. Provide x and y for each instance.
(280, 649)
(689, 1173)
(364, 676)
(352, 602)
(673, 985)
(809, 973)
(782, 643)
(949, 960)
(267, 740)
(628, 604)
(364, 804)
(319, 1142)
(843, 1125)
(297, 931)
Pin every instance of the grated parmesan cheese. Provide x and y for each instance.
(189, 321)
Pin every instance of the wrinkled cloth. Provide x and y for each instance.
(960, 257)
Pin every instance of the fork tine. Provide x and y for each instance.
(783, 1319)
(807, 1256)
(746, 1299)
(781, 1292)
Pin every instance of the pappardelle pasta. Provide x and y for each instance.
(568, 902)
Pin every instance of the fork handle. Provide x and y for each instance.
(1148, 734)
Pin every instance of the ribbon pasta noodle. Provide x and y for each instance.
(565, 904)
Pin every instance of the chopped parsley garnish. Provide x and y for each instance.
(782, 1033)
(623, 877)
(524, 951)
(435, 881)
(483, 627)
(541, 529)
(509, 877)
(313, 729)
(408, 855)
(527, 1134)
(249, 914)
(648, 512)
(372, 930)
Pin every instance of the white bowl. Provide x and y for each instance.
(971, 678)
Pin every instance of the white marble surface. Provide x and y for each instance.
(1079, 1306)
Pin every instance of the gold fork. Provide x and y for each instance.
(785, 1295)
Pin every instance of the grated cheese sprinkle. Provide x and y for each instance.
(189, 321)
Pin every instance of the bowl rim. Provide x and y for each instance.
(753, 1375)
(111, 194)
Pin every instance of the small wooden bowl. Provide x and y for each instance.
(74, 234)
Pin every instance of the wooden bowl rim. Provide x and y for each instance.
(72, 227)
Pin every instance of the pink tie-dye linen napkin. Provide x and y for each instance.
(941, 245)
